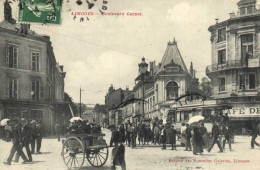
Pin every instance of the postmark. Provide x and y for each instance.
(40, 11)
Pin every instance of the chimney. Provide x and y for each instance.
(151, 67)
(61, 67)
(232, 14)
(216, 20)
(24, 28)
(191, 69)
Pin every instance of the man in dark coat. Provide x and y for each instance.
(172, 137)
(39, 137)
(133, 135)
(228, 136)
(254, 134)
(188, 137)
(17, 143)
(25, 132)
(215, 135)
(163, 136)
(118, 152)
(122, 131)
(33, 135)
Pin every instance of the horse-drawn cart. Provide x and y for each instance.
(77, 147)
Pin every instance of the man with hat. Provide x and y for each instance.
(33, 135)
(163, 137)
(25, 132)
(173, 137)
(17, 142)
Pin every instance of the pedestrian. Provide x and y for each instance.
(183, 138)
(226, 119)
(33, 135)
(113, 129)
(25, 133)
(227, 136)
(128, 135)
(197, 140)
(163, 137)
(118, 154)
(133, 135)
(188, 137)
(215, 136)
(17, 143)
(8, 132)
(122, 131)
(254, 134)
(157, 134)
(172, 137)
(57, 130)
(38, 137)
(205, 136)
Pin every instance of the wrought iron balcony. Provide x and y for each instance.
(231, 64)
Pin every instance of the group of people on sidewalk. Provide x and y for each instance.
(196, 135)
(23, 134)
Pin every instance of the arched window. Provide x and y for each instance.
(172, 90)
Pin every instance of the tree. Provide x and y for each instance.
(72, 104)
(100, 108)
(206, 87)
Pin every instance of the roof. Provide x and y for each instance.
(172, 54)
(244, 2)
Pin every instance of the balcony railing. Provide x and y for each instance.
(232, 64)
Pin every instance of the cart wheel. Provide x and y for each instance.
(97, 157)
(73, 153)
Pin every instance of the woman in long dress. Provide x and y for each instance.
(197, 140)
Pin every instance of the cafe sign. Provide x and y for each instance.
(243, 111)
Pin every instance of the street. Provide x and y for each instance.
(146, 157)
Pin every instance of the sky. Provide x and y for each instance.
(106, 50)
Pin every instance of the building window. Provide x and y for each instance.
(37, 91)
(172, 90)
(242, 82)
(222, 84)
(251, 78)
(222, 56)
(242, 11)
(11, 56)
(246, 48)
(12, 89)
(222, 34)
(249, 9)
(35, 61)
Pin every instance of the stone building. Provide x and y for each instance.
(235, 71)
(162, 85)
(31, 81)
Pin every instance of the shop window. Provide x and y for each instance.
(11, 56)
(172, 90)
(222, 56)
(246, 48)
(12, 89)
(251, 78)
(222, 84)
(186, 115)
(242, 82)
(222, 34)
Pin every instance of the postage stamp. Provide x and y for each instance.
(40, 11)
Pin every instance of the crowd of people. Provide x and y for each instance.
(23, 134)
(195, 136)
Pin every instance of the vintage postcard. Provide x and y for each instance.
(129, 84)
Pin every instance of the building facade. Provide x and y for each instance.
(31, 81)
(235, 71)
(162, 85)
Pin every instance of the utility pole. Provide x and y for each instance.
(80, 101)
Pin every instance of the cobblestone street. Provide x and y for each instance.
(147, 157)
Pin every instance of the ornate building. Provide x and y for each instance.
(162, 85)
(235, 71)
